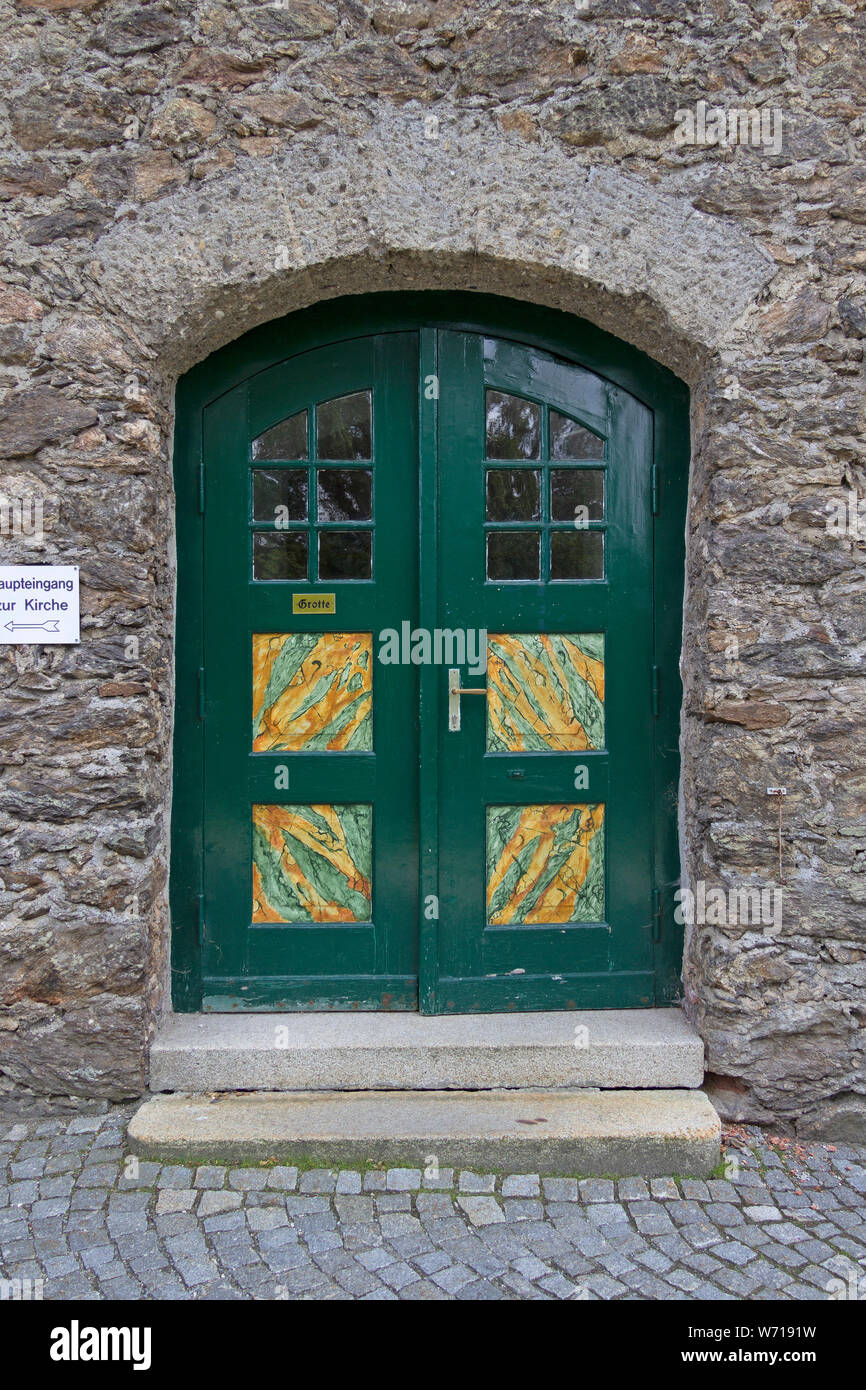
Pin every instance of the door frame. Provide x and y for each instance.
(356, 316)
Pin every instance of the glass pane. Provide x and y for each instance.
(512, 555)
(577, 495)
(345, 494)
(287, 440)
(513, 494)
(545, 864)
(568, 440)
(577, 555)
(545, 690)
(312, 691)
(513, 427)
(345, 429)
(312, 863)
(280, 555)
(280, 495)
(346, 555)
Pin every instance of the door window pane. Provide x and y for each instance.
(512, 555)
(513, 427)
(345, 427)
(312, 863)
(312, 692)
(577, 494)
(545, 690)
(280, 555)
(287, 440)
(345, 555)
(345, 494)
(513, 494)
(568, 440)
(280, 494)
(545, 864)
(577, 555)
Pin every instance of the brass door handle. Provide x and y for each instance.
(455, 690)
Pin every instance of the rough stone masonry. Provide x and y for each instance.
(174, 173)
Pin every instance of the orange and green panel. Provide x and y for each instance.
(312, 691)
(312, 863)
(545, 691)
(545, 864)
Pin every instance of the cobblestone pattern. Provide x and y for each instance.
(791, 1225)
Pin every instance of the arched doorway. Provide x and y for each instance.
(430, 576)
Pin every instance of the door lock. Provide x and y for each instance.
(455, 690)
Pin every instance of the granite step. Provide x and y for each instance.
(612, 1048)
(648, 1133)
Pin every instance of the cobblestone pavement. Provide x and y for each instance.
(77, 1215)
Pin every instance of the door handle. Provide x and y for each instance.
(455, 690)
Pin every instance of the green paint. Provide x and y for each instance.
(429, 463)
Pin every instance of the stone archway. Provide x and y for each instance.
(474, 208)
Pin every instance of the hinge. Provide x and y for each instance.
(654, 489)
(657, 915)
(201, 919)
(201, 693)
(655, 692)
(201, 485)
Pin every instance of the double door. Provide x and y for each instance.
(427, 637)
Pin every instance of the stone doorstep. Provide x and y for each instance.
(617, 1133)
(620, 1049)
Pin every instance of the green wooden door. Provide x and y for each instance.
(545, 789)
(310, 747)
(374, 520)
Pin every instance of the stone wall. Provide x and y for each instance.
(173, 174)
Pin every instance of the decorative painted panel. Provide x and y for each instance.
(545, 864)
(312, 863)
(312, 691)
(545, 691)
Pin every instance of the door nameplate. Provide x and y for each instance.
(314, 603)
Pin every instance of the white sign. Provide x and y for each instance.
(39, 603)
